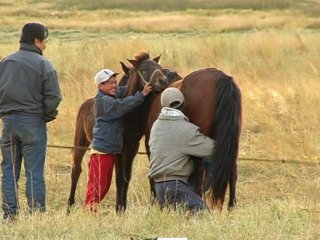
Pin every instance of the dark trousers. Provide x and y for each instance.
(175, 193)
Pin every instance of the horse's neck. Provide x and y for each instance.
(172, 76)
(136, 121)
(176, 84)
(133, 86)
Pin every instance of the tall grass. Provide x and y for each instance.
(273, 56)
(279, 86)
(173, 5)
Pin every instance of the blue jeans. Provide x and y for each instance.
(23, 136)
(177, 192)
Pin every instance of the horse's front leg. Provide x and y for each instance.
(151, 181)
(123, 174)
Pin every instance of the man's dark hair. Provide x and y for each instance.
(31, 31)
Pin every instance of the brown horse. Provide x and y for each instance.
(143, 71)
(213, 102)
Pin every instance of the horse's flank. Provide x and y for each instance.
(212, 102)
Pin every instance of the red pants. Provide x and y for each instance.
(100, 176)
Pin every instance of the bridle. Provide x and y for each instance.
(143, 81)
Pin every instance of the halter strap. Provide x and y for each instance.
(144, 82)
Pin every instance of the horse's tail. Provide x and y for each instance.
(226, 132)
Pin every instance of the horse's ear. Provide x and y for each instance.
(134, 63)
(157, 59)
(125, 68)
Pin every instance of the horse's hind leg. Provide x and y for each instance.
(75, 174)
(196, 178)
(232, 188)
(153, 195)
(81, 144)
(82, 138)
(123, 175)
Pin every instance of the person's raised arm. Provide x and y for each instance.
(147, 89)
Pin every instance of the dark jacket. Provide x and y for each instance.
(29, 84)
(108, 128)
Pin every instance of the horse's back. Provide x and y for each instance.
(199, 89)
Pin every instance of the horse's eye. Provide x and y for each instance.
(143, 71)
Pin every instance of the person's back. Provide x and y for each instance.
(29, 83)
(29, 97)
(173, 139)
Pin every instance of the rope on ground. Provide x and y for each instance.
(266, 160)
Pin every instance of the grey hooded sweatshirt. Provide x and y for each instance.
(173, 139)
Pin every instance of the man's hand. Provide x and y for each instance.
(147, 89)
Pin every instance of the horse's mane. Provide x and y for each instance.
(133, 83)
(141, 56)
(172, 76)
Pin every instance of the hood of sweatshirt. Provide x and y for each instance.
(171, 114)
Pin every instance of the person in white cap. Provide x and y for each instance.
(107, 133)
(173, 139)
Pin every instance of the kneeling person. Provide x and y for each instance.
(173, 140)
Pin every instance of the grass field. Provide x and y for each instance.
(270, 48)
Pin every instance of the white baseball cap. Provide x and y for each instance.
(103, 76)
(171, 95)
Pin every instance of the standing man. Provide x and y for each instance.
(173, 139)
(29, 97)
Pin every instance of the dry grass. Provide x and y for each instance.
(274, 58)
(75, 22)
(275, 201)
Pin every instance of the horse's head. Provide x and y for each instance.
(144, 71)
